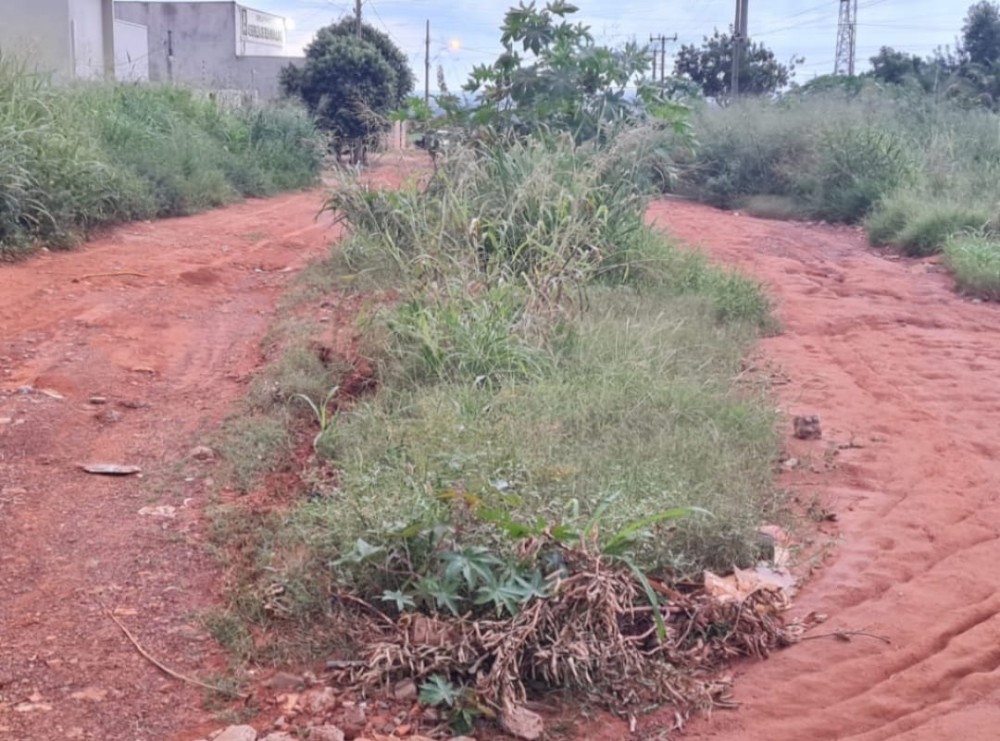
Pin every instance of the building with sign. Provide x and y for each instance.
(217, 46)
(71, 39)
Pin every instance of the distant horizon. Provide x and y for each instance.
(468, 34)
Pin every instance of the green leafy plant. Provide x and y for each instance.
(321, 412)
(459, 702)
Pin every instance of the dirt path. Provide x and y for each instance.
(886, 354)
(126, 351)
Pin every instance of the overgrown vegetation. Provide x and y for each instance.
(914, 170)
(554, 396)
(73, 158)
(911, 149)
(555, 442)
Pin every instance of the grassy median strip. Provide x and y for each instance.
(555, 382)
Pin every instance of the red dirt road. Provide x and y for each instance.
(166, 329)
(887, 355)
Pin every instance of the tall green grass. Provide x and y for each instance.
(915, 169)
(549, 361)
(75, 157)
(975, 261)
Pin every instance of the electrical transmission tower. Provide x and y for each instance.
(847, 38)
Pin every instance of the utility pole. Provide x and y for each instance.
(357, 15)
(662, 40)
(740, 33)
(847, 38)
(427, 64)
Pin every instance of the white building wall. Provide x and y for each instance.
(87, 34)
(66, 38)
(37, 33)
(131, 52)
(204, 45)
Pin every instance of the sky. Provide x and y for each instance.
(465, 32)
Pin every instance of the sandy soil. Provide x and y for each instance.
(890, 359)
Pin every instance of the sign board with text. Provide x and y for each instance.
(259, 34)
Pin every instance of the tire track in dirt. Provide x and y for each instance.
(163, 320)
(892, 359)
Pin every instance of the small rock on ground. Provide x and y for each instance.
(279, 736)
(807, 427)
(326, 733)
(523, 723)
(237, 733)
(202, 453)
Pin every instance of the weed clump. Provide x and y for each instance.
(975, 261)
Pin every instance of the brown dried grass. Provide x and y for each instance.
(594, 635)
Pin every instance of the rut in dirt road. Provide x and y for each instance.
(124, 352)
(893, 361)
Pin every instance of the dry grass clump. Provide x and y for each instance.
(595, 634)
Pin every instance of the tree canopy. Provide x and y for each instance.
(711, 67)
(553, 75)
(969, 75)
(351, 85)
(981, 34)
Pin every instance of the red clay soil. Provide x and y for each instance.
(891, 359)
(162, 322)
(129, 350)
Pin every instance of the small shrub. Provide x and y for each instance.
(890, 217)
(975, 261)
(927, 232)
(856, 166)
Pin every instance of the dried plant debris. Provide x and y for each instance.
(595, 633)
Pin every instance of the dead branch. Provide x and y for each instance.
(163, 667)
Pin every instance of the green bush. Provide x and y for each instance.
(927, 232)
(856, 166)
(975, 261)
(75, 157)
(843, 158)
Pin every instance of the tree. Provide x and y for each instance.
(552, 76)
(981, 34)
(895, 67)
(351, 85)
(711, 67)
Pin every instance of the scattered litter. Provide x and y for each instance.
(110, 469)
(98, 400)
(164, 510)
(144, 369)
(745, 582)
(51, 394)
(5, 420)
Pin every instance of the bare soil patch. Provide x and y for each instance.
(126, 351)
(902, 373)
